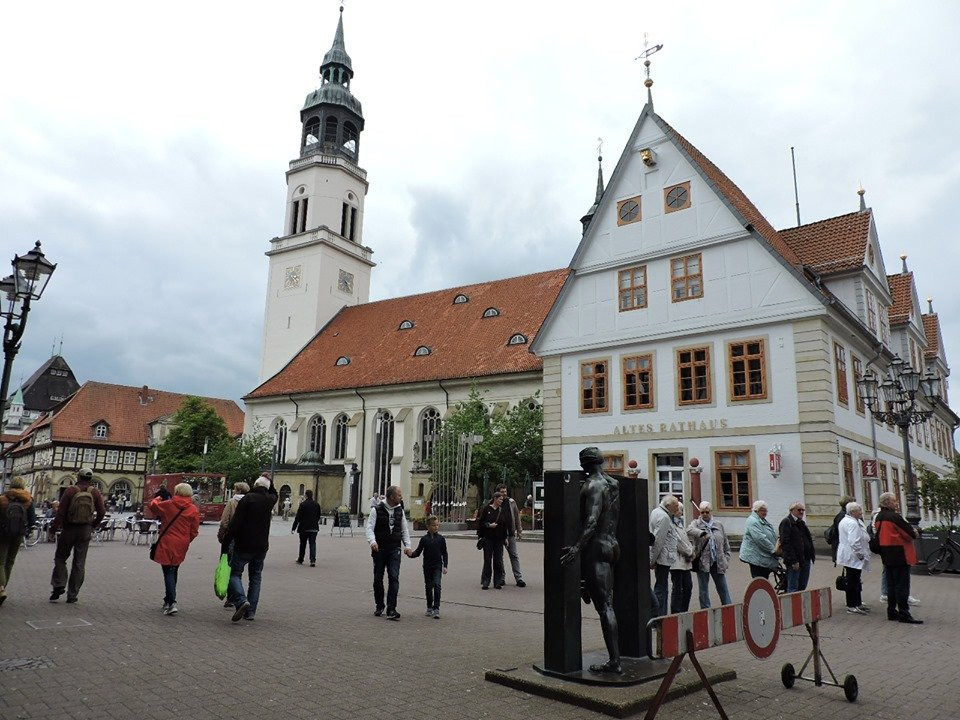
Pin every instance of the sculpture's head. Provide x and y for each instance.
(590, 457)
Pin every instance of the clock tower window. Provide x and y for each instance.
(298, 216)
(330, 131)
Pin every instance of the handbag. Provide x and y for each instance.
(153, 546)
(841, 581)
(480, 544)
(875, 542)
(221, 578)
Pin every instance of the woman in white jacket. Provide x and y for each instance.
(853, 554)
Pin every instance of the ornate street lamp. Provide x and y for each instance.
(901, 390)
(31, 273)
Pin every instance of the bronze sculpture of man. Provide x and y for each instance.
(598, 549)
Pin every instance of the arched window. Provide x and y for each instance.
(460, 299)
(330, 130)
(100, 430)
(406, 325)
(429, 427)
(422, 350)
(318, 436)
(311, 131)
(280, 439)
(382, 451)
(350, 138)
(491, 312)
(340, 437)
(122, 487)
(518, 339)
(343, 360)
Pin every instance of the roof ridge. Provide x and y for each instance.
(825, 220)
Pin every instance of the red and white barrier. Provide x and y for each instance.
(805, 607)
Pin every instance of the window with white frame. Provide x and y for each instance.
(130, 457)
(340, 437)
(113, 457)
(70, 456)
(89, 456)
(280, 440)
(318, 436)
(429, 427)
(100, 430)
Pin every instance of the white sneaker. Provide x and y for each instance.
(856, 611)
(912, 601)
(429, 612)
(171, 609)
(164, 608)
(865, 608)
(883, 598)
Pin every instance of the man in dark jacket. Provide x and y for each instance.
(494, 527)
(898, 553)
(387, 533)
(81, 510)
(250, 532)
(307, 522)
(796, 543)
(832, 535)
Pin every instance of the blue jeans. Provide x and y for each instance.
(169, 583)
(431, 585)
(252, 596)
(883, 581)
(661, 574)
(720, 580)
(797, 579)
(389, 560)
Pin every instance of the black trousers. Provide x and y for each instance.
(492, 554)
(760, 571)
(431, 585)
(308, 537)
(898, 590)
(854, 596)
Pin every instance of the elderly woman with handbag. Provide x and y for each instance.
(853, 554)
(713, 550)
(179, 525)
(759, 545)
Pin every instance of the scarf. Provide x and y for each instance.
(711, 542)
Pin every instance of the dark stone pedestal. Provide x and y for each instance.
(614, 700)
(635, 670)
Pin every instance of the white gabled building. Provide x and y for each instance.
(691, 332)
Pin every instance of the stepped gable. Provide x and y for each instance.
(462, 343)
(833, 245)
(120, 406)
(740, 202)
(901, 289)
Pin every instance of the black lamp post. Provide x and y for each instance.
(901, 390)
(31, 273)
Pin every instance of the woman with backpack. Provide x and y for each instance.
(179, 525)
(17, 516)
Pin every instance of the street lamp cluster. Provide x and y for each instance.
(901, 390)
(31, 273)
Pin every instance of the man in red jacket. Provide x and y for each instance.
(81, 510)
(898, 554)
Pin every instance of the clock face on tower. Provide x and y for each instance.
(345, 282)
(291, 277)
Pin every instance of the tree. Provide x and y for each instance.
(511, 445)
(195, 423)
(242, 458)
(942, 493)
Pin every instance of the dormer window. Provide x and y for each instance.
(422, 350)
(100, 430)
(406, 325)
(461, 299)
(491, 312)
(342, 360)
(517, 339)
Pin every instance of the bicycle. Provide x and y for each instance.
(943, 557)
(36, 533)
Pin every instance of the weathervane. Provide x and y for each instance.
(600, 146)
(647, 52)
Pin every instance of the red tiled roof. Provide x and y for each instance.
(463, 343)
(832, 245)
(931, 329)
(735, 196)
(128, 419)
(901, 289)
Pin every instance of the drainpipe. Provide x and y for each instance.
(873, 424)
(440, 383)
(363, 449)
(296, 412)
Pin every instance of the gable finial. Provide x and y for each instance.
(930, 305)
(647, 52)
(903, 259)
(861, 192)
(599, 172)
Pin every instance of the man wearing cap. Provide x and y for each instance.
(81, 510)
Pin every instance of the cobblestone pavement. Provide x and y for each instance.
(316, 651)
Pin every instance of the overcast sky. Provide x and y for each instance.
(145, 146)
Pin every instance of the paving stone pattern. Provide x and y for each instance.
(316, 651)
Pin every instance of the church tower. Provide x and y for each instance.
(319, 263)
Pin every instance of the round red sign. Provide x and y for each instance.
(761, 618)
